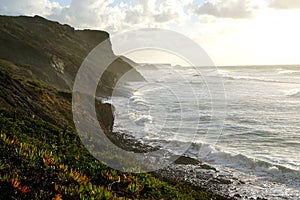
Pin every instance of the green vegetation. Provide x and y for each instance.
(41, 161)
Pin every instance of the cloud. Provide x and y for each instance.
(285, 4)
(91, 14)
(217, 25)
(28, 7)
(119, 16)
(225, 9)
(170, 10)
(140, 12)
(156, 11)
(110, 15)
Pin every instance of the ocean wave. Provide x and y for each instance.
(287, 72)
(138, 99)
(220, 157)
(251, 78)
(266, 169)
(293, 93)
(223, 72)
(230, 76)
(143, 119)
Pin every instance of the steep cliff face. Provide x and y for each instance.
(39, 60)
(52, 52)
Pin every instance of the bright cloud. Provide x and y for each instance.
(225, 9)
(285, 4)
(233, 32)
(115, 17)
(90, 14)
(27, 7)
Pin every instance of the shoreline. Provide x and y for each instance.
(194, 173)
(177, 171)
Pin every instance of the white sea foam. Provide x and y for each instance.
(253, 109)
(293, 93)
(219, 156)
(141, 120)
(285, 71)
(138, 98)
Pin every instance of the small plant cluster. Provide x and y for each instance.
(41, 161)
(64, 180)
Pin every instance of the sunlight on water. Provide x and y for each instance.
(261, 133)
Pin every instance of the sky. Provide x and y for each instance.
(232, 32)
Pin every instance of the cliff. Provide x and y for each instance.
(52, 53)
(39, 60)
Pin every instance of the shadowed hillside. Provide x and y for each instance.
(39, 60)
(52, 52)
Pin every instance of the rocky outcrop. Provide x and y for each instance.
(105, 115)
(58, 64)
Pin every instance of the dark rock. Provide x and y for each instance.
(105, 115)
(184, 160)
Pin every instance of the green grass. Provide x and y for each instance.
(41, 161)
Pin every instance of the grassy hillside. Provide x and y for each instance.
(41, 161)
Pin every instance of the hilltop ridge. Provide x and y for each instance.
(51, 52)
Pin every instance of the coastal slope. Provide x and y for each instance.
(41, 155)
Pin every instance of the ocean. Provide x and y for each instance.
(242, 120)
